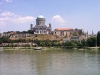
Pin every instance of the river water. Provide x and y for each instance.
(49, 62)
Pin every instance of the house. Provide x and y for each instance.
(73, 38)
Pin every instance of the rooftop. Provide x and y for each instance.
(40, 16)
(63, 29)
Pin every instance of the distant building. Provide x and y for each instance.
(63, 31)
(0, 34)
(73, 38)
(40, 27)
(68, 32)
(76, 38)
(90, 35)
(66, 40)
(13, 34)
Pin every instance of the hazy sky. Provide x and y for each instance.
(17, 15)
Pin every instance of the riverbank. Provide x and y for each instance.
(47, 48)
(29, 48)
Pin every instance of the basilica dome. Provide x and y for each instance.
(40, 16)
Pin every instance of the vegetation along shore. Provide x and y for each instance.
(23, 43)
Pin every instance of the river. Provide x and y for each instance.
(50, 62)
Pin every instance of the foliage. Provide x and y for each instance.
(47, 43)
(1, 41)
(4, 40)
(98, 38)
(72, 44)
(31, 31)
(91, 41)
(84, 43)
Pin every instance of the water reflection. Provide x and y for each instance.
(49, 62)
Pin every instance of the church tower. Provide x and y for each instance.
(31, 26)
(92, 33)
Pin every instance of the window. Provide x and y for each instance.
(40, 28)
(38, 23)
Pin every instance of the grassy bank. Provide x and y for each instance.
(17, 48)
(49, 48)
(30, 48)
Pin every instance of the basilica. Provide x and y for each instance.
(40, 27)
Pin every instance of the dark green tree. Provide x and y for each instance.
(91, 41)
(83, 43)
(0, 41)
(98, 38)
(31, 31)
(5, 40)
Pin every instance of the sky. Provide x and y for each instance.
(17, 15)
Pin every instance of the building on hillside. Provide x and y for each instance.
(67, 31)
(5, 34)
(40, 27)
(66, 40)
(13, 34)
(0, 34)
(18, 44)
(90, 35)
(63, 31)
(73, 38)
(76, 38)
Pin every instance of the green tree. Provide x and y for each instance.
(73, 44)
(31, 31)
(83, 43)
(91, 41)
(5, 40)
(98, 38)
(0, 41)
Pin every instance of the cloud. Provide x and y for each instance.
(59, 19)
(8, 0)
(7, 18)
(2, 1)
(6, 13)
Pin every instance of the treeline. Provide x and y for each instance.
(89, 42)
(48, 43)
(7, 40)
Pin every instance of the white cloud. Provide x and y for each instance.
(2, 1)
(59, 19)
(4, 18)
(7, 18)
(8, 0)
(7, 14)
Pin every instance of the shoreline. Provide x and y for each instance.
(47, 48)
(29, 48)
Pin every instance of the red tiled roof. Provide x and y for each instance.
(63, 29)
